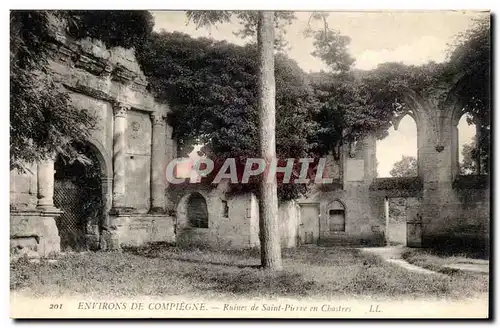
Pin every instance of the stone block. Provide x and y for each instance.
(110, 241)
(38, 226)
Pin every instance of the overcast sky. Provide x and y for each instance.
(376, 37)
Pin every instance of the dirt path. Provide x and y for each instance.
(392, 254)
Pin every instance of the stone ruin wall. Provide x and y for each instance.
(110, 84)
(106, 81)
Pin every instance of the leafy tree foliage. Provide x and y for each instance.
(247, 19)
(468, 165)
(329, 45)
(347, 111)
(339, 106)
(353, 103)
(42, 119)
(356, 102)
(116, 28)
(471, 59)
(406, 167)
(212, 88)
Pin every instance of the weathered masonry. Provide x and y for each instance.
(123, 198)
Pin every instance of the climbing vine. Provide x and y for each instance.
(116, 28)
(42, 119)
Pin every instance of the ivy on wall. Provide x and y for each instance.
(400, 183)
(211, 87)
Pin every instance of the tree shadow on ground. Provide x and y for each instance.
(228, 272)
(172, 252)
(252, 281)
(470, 251)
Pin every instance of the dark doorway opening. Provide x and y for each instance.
(197, 211)
(78, 193)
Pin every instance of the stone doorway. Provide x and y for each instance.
(399, 212)
(309, 225)
(78, 193)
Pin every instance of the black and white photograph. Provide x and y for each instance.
(209, 164)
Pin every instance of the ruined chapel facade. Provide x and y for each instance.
(124, 200)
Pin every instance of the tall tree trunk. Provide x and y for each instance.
(269, 230)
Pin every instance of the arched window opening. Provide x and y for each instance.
(336, 217)
(197, 211)
(397, 154)
(472, 147)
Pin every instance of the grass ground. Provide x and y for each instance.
(166, 270)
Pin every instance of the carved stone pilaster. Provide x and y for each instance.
(119, 149)
(158, 145)
(120, 109)
(157, 119)
(45, 184)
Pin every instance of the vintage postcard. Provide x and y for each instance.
(250, 164)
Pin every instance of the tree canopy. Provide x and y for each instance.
(42, 120)
(247, 19)
(299, 130)
(471, 59)
(212, 88)
(406, 167)
(468, 165)
(353, 103)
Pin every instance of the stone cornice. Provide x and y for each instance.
(102, 89)
(99, 67)
(94, 58)
(123, 75)
(88, 67)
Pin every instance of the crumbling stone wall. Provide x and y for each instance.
(110, 84)
(446, 220)
(239, 229)
(363, 210)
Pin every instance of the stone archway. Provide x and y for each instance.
(404, 130)
(80, 192)
(197, 211)
(193, 219)
(192, 211)
(336, 217)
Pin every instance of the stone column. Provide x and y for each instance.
(45, 185)
(42, 224)
(158, 144)
(169, 156)
(107, 198)
(455, 152)
(386, 215)
(119, 149)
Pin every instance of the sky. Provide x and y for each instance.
(376, 37)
